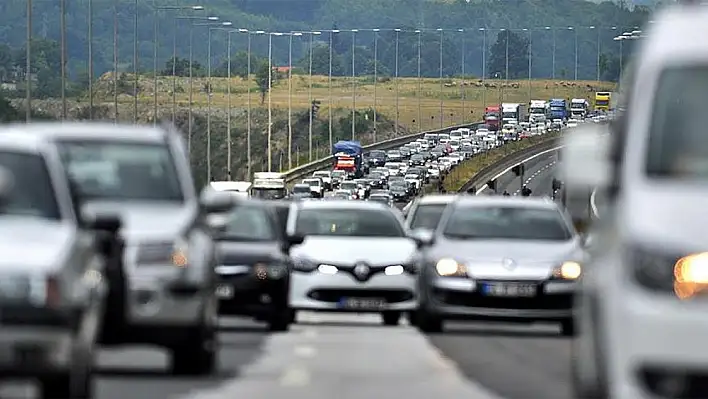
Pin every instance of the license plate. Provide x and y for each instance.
(362, 303)
(224, 291)
(509, 290)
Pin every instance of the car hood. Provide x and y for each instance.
(148, 220)
(30, 244)
(490, 258)
(349, 250)
(247, 252)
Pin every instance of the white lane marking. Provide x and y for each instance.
(507, 170)
(536, 174)
(296, 376)
(593, 204)
(305, 351)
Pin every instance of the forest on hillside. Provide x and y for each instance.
(468, 27)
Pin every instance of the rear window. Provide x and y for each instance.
(427, 216)
(678, 144)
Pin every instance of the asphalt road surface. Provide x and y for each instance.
(513, 361)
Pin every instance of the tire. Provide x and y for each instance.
(280, 320)
(568, 328)
(74, 385)
(429, 323)
(197, 356)
(391, 318)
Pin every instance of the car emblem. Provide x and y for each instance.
(508, 263)
(361, 270)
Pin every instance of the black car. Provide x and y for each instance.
(377, 180)
(377, 158)
(254, 272)
(400, 192)
(416, 160)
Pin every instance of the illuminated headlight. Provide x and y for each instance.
(163, 253)
(327, 269)
(568, 271)
(447, 267)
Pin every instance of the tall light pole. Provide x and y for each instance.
(597, 65)
(484, 66)
(290, 97)
(506, 63)
(441, 78)
(329, 84)
(190, 132)
(575, 68)
(463, 90)
(398, 32)
(155, 39)
(553, 52)
(270, 104)
(248, 96)
(135, 64)
(208, 149)
(115, 60)
(62, 7)
(309, 95)
(28, 64)
(354, 31)
(90, 57)
(376, 75)
(419, 33)
(530, 55)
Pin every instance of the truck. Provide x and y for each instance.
(538, 111)
(602, 101)
(558, 108)
(348, 157)
(240, 189)
(514, 113)
(269, 185)
(492, 114)
(579, 108)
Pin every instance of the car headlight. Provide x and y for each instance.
(304, 265)
(448, 267)
(568, 270)
(685, 277)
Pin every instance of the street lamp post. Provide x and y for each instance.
(115, 60)
(463, 90)
(329, 83)
(575, 67)
(530, 55)
(290, 97)
(28, 64)
(484, 66)
(419, 33)
(90, 57)
(376, 75)
(62, 6)
(398, 31)
(441, 78)
(597, 66)
(270, 104)
(506, 63)
(354, 31)
(248, 107)
(135, 63)
(309, 94)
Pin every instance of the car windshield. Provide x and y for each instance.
(338, 173)
(122, 171)
(427, 216)
(311, 182)
(32, 192)
(678, 145)
(348, 185)
(249, 223)
(382, 198)
(348, 222)
(377, 154)
(376, 175)
(321, 174)
(301, 189)
(517, 223)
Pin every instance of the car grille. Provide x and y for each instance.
(155, 252)
(477, 300)
(336, 295)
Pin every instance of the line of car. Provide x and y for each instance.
(398, 175)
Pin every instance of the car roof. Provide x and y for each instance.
(87, 130)
(342, 204)
(666, 36)
(436, 199)
(514, 201)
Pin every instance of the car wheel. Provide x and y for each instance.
(568, 328)
(391, 318)
(280, 320)
(428, 323)
(197, 356)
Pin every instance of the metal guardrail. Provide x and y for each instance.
(326, 163)
(487, 173)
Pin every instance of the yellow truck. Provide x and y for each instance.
(602, 101)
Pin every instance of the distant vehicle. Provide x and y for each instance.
(348, 157)
(238, 188)
(301, 190)
(268, 185)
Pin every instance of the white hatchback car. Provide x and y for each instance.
(356, 257)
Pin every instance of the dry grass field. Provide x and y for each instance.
(419, 102)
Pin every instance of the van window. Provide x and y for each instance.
(678, 144)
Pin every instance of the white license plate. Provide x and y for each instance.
(509, 290)
(362, 303)
(224, 291)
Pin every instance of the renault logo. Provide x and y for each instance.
(508, 263)
(361, 270)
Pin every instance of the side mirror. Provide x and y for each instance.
(586, 162)
(216, 201)
(216, 222)
(422, 238)
(291, 241)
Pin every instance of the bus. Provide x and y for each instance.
(602, 101)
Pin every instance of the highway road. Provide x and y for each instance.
(513, 361)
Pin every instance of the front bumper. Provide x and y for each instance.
(33, 351)
(461, 298)
(317, 291)
(249, 294)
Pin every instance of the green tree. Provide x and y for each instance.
(518, 58)
(262, 79)
(239, 65)
(320, 61)
(181, 66)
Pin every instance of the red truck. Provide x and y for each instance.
(492, 116)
